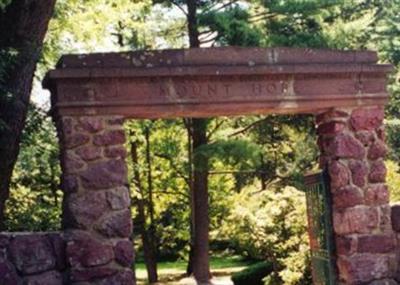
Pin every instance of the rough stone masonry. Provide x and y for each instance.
(353, 149)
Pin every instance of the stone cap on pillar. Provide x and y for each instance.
(206, 82)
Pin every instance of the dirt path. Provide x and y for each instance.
(219, 280)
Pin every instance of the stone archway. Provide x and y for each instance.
(93, 94)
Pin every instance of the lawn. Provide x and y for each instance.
(171, 271)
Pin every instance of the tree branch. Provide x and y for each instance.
(221, 7)
(172, 193)
(226, 5)
(206, 32)
(245, 129)
(217, 126)
(209, 40)
(179, 7)
(257, 18)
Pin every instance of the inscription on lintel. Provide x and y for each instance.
(248, 89)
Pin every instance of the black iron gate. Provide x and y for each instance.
(319, 215)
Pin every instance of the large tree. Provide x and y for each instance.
(23, 27)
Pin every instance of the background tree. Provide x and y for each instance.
(145, 222)
(23, 27)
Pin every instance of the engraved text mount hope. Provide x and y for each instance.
(187, 91)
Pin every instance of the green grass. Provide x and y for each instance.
(218, 264)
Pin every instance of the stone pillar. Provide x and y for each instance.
(96, 208)
(353, 149)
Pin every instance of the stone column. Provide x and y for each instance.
(96, 207)
(353, 149)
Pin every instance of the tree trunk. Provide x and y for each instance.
(150, 231)
(188, 125)
(194, 41)
(147, 239)
(23, 27)
(201, 266)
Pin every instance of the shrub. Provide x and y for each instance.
(271, 225)
(253, 274)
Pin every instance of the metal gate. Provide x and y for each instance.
(319, 215)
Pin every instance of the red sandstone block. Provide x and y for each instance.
(8, 274)
(377, 150)
(377, 172)
(90, 124)
(71, 164)
(377, 195)
(367, 118)
(359, 172)
(124, 254)
(65, 125)
(74, 140)
(50, 278)
(347, 196)
(58, 244)
(124, 277)
(115, 152)
(116, 224)
(385, 223)
(344, 146)
(88, 153)
(115, 121)
(112, 137)
(395, 217)
(104, 174)
(355, 220)
(345, 245)
(339, 175)
(365, 137)
(330, 115)
(91, 273)
(4, 241)
(364, 268)
(376, 244)
(118, 198)
(86, 251)
(32, 253)
(82, 210)
(330, 128)
(384, 282)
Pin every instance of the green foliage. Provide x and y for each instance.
(393, 138)
(231, 26)
(387, 39)
(239, 153)
(271, 224)
(253, 274)
(32, 211)
(4, 3)
(393, 180)
(387, 31)
(35, 202)
(297, 23)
